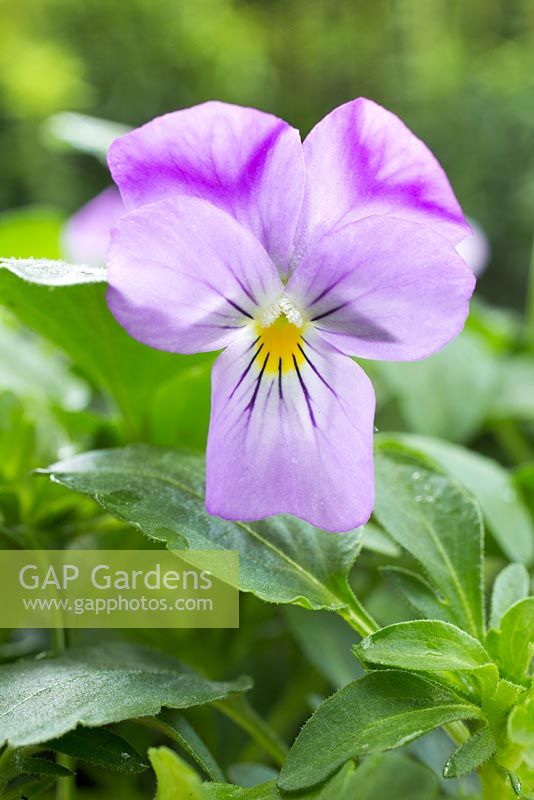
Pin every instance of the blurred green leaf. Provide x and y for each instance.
(77, 320)
(42, 699)
(327, 642)
(513, 397)
(377, 541)
(282, 559)
(521, 725)
(493, 488)
(379, 776)
(439, 524)
(32, 232)
(513, 644)
(180, 408)
(447, 394)
(83, 133)
(383, 710)
(511, 585)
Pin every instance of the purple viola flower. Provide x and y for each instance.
(86, 234)
(292, 257)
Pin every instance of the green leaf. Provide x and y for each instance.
(42, 699)
(493, 488)
(31, 232)
(521, 724)
(282, 560)
(382, 776)
(20, 764)
(511, 585)
(48, 272)
(383, 710)
(513, 644)
(77, 320)
(471, 754)
(99, 747)
(377, 541)
(379, 776)
(177, 728)
(422, 645)
(176, 779)
(83, 133)
(514, 394)
(439, 524)
(432, 393)
(418, 592)
(180, 409)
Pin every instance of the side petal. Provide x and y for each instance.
(86, 234)
(184, 276)
(296, 442)
(384, 288)
(245, 161)
(361, 160)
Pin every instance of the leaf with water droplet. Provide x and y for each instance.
(445, 536)
(99, 747)
(491, 485)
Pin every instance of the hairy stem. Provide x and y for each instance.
(357, 617)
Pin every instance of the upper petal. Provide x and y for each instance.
(361, 160)
(245, 161)
(384, 288)
(291, 441)
(185, 276)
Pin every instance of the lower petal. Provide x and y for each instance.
(291, 440)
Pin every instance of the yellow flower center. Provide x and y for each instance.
(281, 341)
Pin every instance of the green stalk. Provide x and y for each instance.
(357, 617)
(239, 711)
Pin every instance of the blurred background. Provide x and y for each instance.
(461, 75)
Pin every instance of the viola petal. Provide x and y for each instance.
(296, 442)
(361, 161)
(86, 234)
(184, 276)
(384, 288)
(244, 161)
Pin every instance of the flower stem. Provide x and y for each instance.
(357, 617)
(239, 711)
